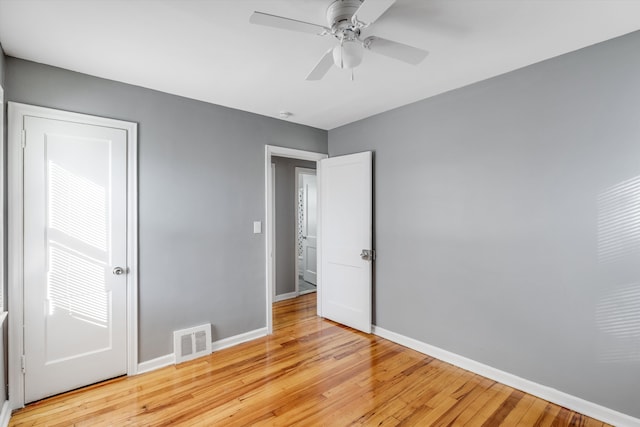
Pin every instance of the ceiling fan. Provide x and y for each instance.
(346, 19)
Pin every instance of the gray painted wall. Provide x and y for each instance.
(285, 204)
(507, 217)
(201, 186)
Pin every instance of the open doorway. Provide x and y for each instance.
(284, 266)
(295, 225)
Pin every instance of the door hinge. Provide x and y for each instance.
(23, 363)
(368, 254)
(23, 143)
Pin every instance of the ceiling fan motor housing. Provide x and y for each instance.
(340, 12)
(348, 54)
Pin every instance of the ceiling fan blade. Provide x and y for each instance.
(400, 51)
(321, 68)
(286, 23)
(371, 10)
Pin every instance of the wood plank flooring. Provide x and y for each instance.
(310, 372)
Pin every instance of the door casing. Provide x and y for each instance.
(298, 175)
(273, 150)
(15, 201)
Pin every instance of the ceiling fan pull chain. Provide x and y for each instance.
(352, 74)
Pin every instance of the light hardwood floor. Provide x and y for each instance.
(310, 372)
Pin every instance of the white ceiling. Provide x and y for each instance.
(207, 50)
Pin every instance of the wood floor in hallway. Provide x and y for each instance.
(310, 372)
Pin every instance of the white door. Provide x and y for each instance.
(345, 211)
(309, 228)
(75, 222)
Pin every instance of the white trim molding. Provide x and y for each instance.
(566, 400)
(169, 359)
(5, 414)
(238, 339)
(272, 150)
(157, 363)
(286, 296)
(3, 237)
(15, 165)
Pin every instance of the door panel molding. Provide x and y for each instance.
(16, 116)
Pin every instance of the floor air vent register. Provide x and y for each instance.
(189, 344)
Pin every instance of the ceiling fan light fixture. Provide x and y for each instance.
(348, 54)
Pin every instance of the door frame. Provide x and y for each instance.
(15, 201)
(273, 150)
(303, 171)
(273, 224)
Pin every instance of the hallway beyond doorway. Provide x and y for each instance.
(305, 287)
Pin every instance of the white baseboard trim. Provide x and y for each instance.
(238, 339)
(5, 414)
(157, 363)
(283, 297)
(169, 359)
(547, 393)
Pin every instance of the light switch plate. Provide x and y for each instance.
(257, 227)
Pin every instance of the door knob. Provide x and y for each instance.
(118, 271)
